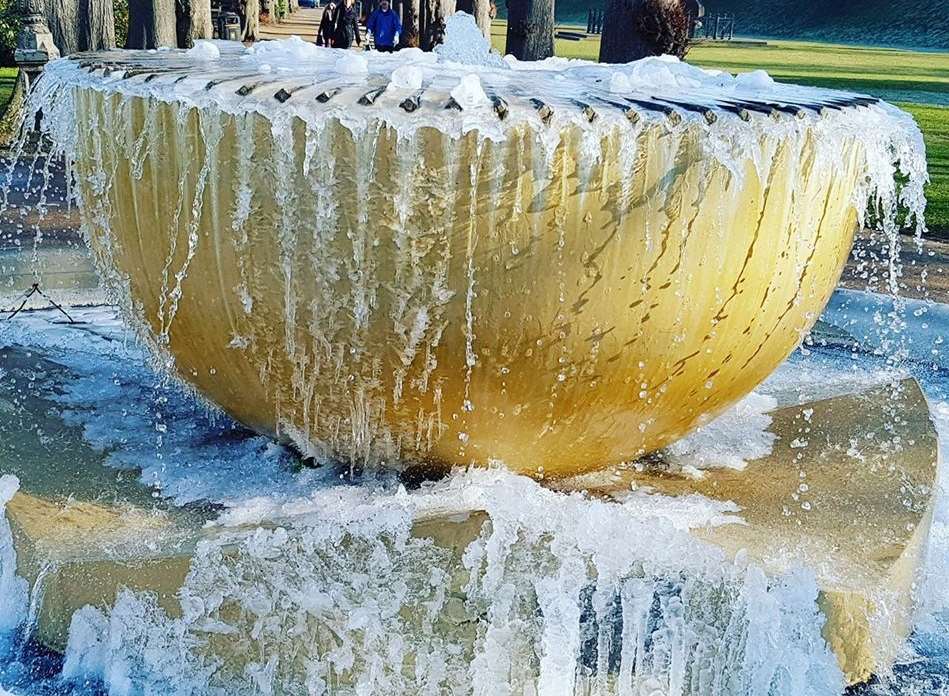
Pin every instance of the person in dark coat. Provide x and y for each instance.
(326, 34)
(347, 26)
(385, 26)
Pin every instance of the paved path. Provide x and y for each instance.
(303, 23)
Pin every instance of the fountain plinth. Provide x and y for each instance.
(557, 266)
(35, 46)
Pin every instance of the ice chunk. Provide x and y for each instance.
(290, 52)
(204, 50)
(415, 55)
(468, 93)
(352, 64)
(666, 70)
(407, 77)
(756, 79)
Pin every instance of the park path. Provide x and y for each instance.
(303, 23)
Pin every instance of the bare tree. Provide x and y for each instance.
(81, 25)
(193, 19)
(151, 24)
(481, 11)
(634, 29)
(530, 29)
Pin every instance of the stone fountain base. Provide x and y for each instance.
(846, 494)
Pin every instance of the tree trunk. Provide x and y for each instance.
(481, 11)
(530, 29)
(252, 20)
(151, 24)
(193, 21)
(619, 43)
(411, 18)
(81, 25)
(434, 15)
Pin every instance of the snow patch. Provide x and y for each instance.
(465, 44)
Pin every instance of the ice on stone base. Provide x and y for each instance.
(364, 584)
(14, 590)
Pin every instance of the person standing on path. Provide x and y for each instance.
(347, 26)
(326, 34)
(385, 26)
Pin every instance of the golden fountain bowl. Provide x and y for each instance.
(392, 275)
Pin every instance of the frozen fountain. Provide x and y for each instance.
(416, 263)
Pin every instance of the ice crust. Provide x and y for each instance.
(731, 440)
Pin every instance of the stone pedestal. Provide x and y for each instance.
(35, 46)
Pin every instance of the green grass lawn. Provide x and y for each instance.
(7, 81)
(917, 81)
(934, 122)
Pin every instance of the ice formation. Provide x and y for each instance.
(456, 178)
(464, 43)
(330, 582)
(556, 593)
(563, 609)
(337, 586)
(14, 591)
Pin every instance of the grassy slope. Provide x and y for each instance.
(934, 122)
(923, 23)
(917, 81)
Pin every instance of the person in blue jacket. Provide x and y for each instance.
(385, 26)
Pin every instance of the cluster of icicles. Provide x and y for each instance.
(343, 597)
(604, 110)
